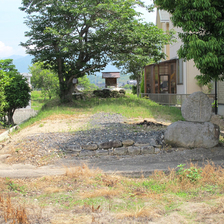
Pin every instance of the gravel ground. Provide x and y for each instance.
(44, 148)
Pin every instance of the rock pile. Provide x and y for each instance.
(115, 147)
(197, 130)
(107, 93)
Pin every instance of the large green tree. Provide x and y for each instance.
(17, 90)
(76, 37)
(202, 22)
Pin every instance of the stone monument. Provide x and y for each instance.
(197, 131)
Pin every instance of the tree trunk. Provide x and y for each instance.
(10, 113)
(66, 92)
(138, 85)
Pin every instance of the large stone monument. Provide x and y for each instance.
(197, 130)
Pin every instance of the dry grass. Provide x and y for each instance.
(81, 172)
(91, 195)
(10, 212)
(141, 213)
(109, 193)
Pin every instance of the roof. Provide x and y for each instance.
(163, 62)
(110, 75)
(164, 16)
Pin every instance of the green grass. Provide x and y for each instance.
(37, 101)
(129, 106)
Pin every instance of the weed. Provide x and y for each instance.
(15, 187)
(193, 174)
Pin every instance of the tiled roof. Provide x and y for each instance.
(110, 75)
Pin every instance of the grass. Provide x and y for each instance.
(92, 194)
(130, 106)
(187, 194)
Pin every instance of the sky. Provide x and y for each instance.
(12, 27)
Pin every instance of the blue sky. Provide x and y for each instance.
(12, 27)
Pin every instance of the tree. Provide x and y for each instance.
(85, 83)
(76, 37)
(44, 79)
(203, 33)
(134, 62)
(17, 90)
(4, 80)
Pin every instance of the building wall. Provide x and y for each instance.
(191, 73)
(175, 46)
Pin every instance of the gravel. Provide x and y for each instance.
(102, 127)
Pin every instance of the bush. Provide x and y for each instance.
(134, 90)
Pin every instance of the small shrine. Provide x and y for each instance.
(111, 78)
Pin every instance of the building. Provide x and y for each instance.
(174, 75)
(111, 79)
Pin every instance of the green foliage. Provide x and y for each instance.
(15, 187)
(134, 90)
(75, 37)
(4, 80)
(17, 90)
(202, 37)
(127, 86)
(44, 79)
(85, 83)
(193, 174)
(201, 83)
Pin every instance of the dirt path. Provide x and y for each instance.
(127, 165)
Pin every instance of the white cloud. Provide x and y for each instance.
(5, 51)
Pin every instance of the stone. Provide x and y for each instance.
(157, 150)
(134, 150)
(147, 150)
(110, 144)
(197, 108)
(101, 152)
(120, 151)
(139, 144)
(90, 147)
(73, 148)
(192, 134)
(87, 153)
(128, 142)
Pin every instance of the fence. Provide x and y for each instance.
(171, 99)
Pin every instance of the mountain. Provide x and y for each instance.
(21, 62)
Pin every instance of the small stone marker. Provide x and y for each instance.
(197, 108)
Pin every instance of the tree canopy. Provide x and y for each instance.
(78, 37)
(4, 80)
(16, 90)
(202, 22)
